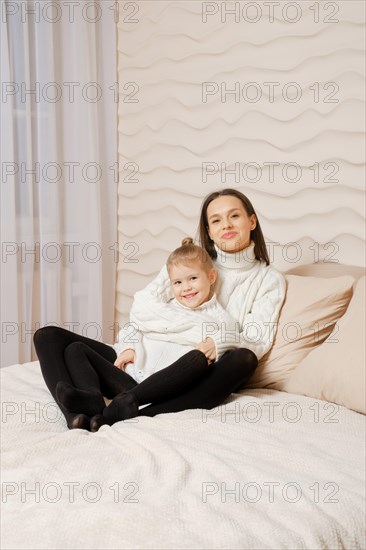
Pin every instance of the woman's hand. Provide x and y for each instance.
(208, 348)
(126, 356)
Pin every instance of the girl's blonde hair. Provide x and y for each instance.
(189, 253)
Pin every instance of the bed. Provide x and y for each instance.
(268, 469)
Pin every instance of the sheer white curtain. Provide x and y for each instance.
(59, 177)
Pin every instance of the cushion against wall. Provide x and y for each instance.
(311, 308)
(335, 371)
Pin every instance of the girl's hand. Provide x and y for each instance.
(126, 356)
(208, 348)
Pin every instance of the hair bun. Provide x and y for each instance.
(186, 241)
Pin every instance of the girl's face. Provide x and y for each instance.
(229, 225)
(191, 284)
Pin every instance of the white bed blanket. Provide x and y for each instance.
(267, 470)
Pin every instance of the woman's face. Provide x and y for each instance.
(229, 225)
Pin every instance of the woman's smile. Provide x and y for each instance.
(229, 235)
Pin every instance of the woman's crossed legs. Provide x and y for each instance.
(79, 371)
(51, 344)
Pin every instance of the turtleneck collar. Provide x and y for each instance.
(242, 260)
(212, 301)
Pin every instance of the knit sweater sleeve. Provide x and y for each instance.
(193, 326)
(128, 337)
(167, 323)
(261, 323)
(224, 331)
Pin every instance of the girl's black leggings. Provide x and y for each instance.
(189, 383)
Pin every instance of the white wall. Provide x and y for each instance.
(166, 128)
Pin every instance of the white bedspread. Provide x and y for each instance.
(195, 479)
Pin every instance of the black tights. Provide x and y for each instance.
(189, 383)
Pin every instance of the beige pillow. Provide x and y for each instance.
(310, 310)
(335, 371)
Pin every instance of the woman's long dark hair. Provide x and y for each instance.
(256, 235)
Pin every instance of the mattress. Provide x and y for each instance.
(265, 470)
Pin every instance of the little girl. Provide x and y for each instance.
(162, 363)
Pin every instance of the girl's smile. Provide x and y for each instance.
(191, 285)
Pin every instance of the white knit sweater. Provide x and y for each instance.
(157, 349)
(251, 293)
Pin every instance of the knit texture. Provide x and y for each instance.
(160, 344)
(249, 296)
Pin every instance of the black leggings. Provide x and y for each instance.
(189, 383)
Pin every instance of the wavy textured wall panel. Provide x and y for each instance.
(270, 101)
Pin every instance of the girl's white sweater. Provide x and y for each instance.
(248, 291)
(157, 349)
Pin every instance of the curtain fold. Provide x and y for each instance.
(58, 194)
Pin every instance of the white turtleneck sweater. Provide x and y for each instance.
(248, 291)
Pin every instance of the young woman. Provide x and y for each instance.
(248, 288)
(164, 367)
